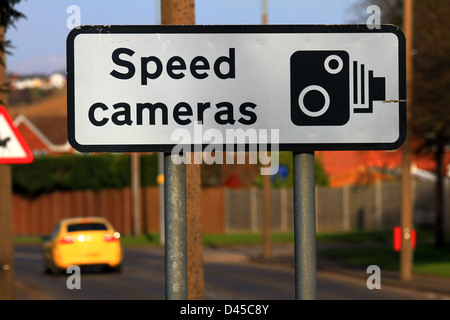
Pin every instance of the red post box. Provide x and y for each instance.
(397, 238)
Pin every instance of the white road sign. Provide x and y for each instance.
(149, 88)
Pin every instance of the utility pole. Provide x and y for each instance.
(7, 291)
(267, 204)
(6, 235)
(264, 12)
(136, 192)
(267, 190)
(406, 251)
(182, 12)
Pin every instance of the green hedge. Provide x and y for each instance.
(93, 172)
(79, 172)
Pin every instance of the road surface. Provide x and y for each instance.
(229, 275)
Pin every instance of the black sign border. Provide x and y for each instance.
(136, 29)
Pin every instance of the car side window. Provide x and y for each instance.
(55, 231)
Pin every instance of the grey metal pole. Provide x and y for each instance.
(175, 229)
(305, 226)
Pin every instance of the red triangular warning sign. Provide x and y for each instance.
(13, 148)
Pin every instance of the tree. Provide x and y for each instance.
(8, 18)
(9, 15)
(432, 81)
(431, 110)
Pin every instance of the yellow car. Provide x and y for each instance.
(89, 241)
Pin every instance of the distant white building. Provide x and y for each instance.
(57, 81)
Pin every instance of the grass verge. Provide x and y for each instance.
(427, 258)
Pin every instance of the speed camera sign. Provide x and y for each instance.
(319, 87)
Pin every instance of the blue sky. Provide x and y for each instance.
(40, 40)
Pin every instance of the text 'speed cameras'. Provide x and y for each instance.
(323, 88)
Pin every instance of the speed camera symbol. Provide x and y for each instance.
(320, 88)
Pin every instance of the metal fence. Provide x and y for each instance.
(372, 207)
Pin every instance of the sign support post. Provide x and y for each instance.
(304, 226)
(175, 229)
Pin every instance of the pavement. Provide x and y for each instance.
(436, 287)
(283, 255)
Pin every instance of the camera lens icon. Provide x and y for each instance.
(322, 109)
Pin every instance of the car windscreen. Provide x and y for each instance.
(86, 227)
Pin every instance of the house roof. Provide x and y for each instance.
(349, 167)
(46, 132)
(54, 128)
(44, 124)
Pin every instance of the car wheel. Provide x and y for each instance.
(52, 269)
(116, 269)
(47, 266)
(47, 269)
